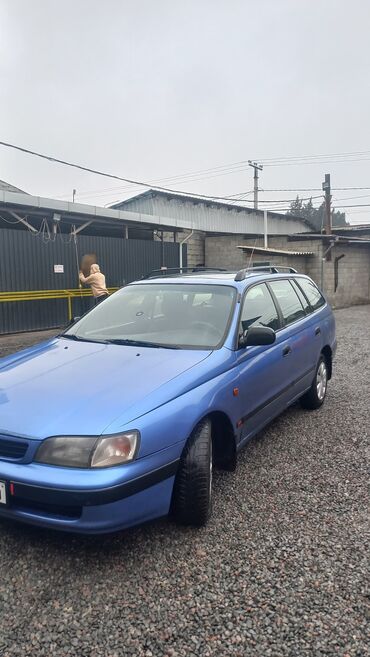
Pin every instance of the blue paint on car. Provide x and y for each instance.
(131, 381)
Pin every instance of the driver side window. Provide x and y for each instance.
(258, 309)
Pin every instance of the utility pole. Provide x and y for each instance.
(326, 188)
(73, 195)
(265, 237)
(328, 229)
(257, 168)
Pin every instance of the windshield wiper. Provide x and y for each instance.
(73, 336)
(141, 343)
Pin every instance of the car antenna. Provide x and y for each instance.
(251, 255)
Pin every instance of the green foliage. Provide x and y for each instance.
(316, 216)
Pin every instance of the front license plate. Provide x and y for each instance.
(2, 492)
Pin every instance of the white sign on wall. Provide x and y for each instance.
(58, 269)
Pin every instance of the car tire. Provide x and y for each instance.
(192, 494)
(315, 396)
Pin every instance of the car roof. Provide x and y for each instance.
(217, 278)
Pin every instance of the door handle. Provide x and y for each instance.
(287, 350)
(317, 331)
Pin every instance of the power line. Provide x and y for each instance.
(357, 205)
(232, 198)
(104, 174)
(310, 157)
(318, 162)
(226, 169)
(351, 198)
(311, 189)
(106, 191)
(127, 188)
(135, 182)
(289, 200)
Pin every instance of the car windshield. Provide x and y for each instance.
(160, 315)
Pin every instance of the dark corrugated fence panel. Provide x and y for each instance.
(27, 263)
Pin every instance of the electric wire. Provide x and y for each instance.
(148, 185)
(240, 197)
(236, 166)
(315, 156)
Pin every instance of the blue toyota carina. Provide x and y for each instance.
(122, 417)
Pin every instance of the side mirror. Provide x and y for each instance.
(257, 336)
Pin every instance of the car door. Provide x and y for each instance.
(262, 370)
(314, 304)
(296, 338)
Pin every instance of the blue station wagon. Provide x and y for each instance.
(121, 418)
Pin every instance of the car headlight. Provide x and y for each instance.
(89, 451)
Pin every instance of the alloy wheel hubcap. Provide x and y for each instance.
(321, 381)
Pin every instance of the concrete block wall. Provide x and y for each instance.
(223, 252)
(353, 276)
(195, 245)
(353, 269)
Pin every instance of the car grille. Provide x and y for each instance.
(12, 448)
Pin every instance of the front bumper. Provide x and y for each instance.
(96, 501)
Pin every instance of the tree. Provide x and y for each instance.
(316, 216)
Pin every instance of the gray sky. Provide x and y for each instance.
(152, 90)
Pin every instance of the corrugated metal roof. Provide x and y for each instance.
(82, 212)
(197, 213)
(173, 216)
(7, 187)
(358, 228)
(268, 251)
(339, 239)
(152, 193)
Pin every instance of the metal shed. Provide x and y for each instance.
(196, 213)
(41, 243)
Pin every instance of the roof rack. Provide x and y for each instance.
(172, 271)
(249, 271)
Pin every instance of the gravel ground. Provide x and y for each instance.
(281, 570)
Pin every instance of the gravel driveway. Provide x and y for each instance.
(280, 570)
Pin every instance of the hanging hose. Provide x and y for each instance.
(77, 258)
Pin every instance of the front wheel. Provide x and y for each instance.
(315, 396)
(192, 494)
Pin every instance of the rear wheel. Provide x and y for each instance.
(192, 494)
(315, 396)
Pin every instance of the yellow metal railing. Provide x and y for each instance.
(37, 295)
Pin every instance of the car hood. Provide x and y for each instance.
(64, 387)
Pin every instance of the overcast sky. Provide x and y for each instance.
(156, 89)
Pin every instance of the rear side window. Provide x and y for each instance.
(288, 300)
(258, 309)
(312, 293)
(302, 297)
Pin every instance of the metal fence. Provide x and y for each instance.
(29, 263)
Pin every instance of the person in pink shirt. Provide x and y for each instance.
(96, 280)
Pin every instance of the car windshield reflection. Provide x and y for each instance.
(160, 315)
